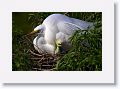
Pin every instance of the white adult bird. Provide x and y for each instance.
(57, 28)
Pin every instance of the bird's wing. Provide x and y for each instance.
(83, 24)
(74, 24)
(67, 27)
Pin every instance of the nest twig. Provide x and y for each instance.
(34, 53)
(41, 61)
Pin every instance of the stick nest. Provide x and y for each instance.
(41, 61)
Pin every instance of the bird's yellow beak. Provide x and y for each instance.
(33, 32)
(58, 43)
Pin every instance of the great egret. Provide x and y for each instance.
(56, 29)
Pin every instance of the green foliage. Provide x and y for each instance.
(86, 53)
(20, 56)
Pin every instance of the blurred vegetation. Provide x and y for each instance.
(85, 55)
(20, 56)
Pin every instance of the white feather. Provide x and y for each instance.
(58, 26)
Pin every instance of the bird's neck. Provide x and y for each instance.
(50, 37)
(57, 50)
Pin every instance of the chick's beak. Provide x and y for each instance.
(59, 45)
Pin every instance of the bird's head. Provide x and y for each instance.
(58, 46)
(37, 29)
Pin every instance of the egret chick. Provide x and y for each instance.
(58, 45)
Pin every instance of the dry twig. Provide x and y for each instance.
(34, 53)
